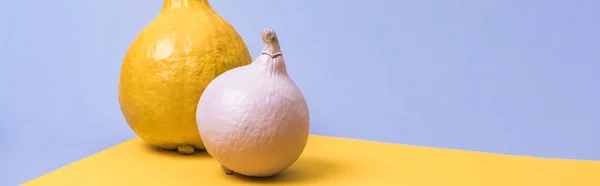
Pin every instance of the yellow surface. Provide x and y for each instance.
(167, 67)
(327, 161)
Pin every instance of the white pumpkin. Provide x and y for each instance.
(253, 119)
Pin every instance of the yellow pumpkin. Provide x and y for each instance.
(168, 66)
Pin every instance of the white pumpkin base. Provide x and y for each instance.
(231, 172)
(226, 170)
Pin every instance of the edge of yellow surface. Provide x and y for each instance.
(327, 161)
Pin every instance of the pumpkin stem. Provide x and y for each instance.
(271, 48)
(169, 5)
(186, 149)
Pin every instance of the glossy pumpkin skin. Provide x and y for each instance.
(168, 66)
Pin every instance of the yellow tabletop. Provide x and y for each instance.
(327, 161)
